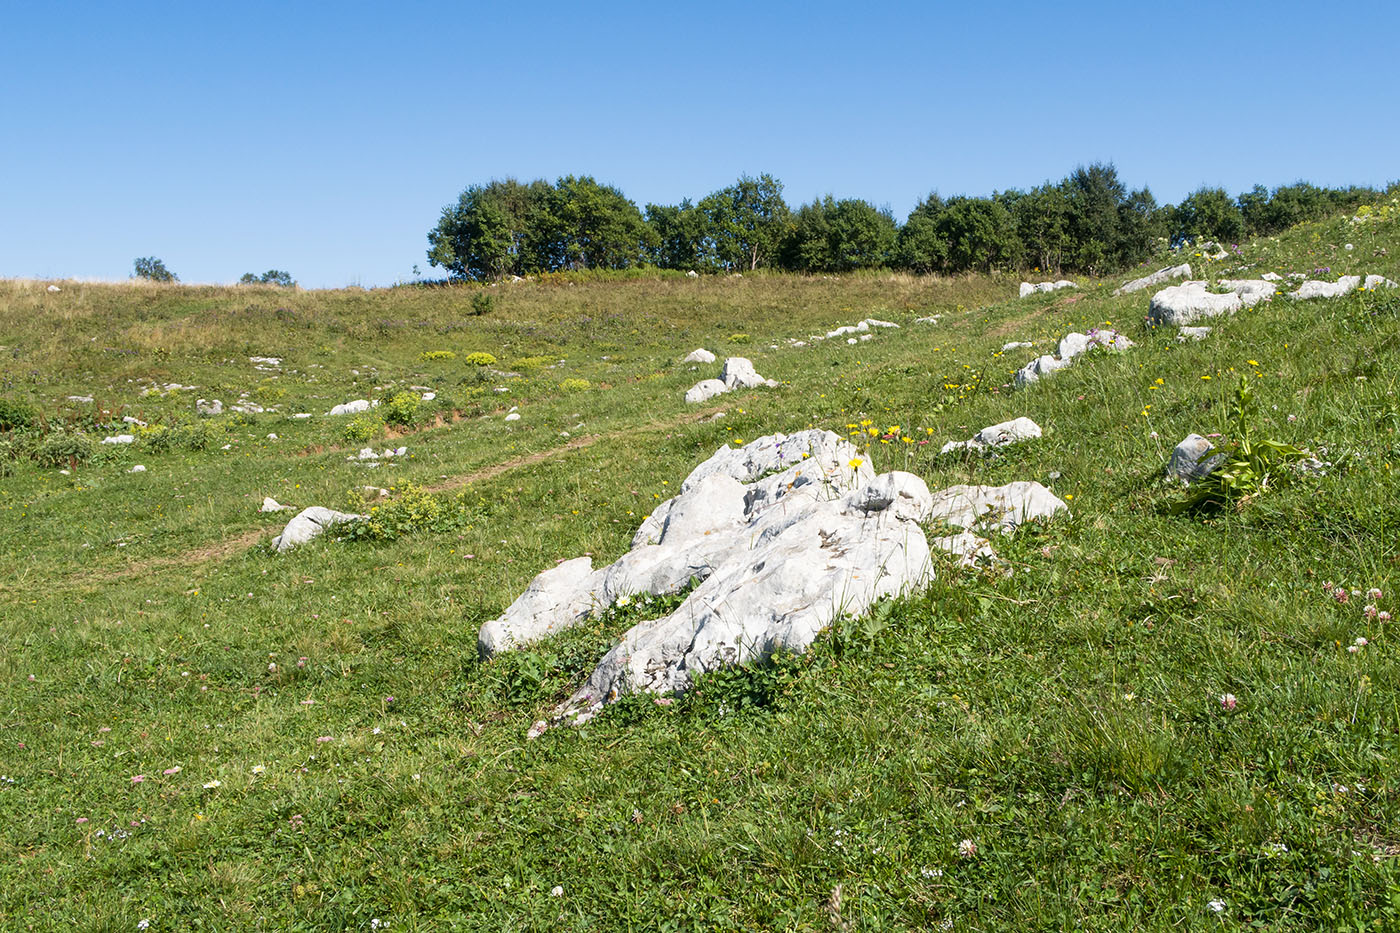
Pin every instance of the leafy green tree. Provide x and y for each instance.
(839, 236)
(1042, 218)
(153, 270)
(1209, 213)
(746, 222)
(679, 238)
(919, 247)
(588, 225)
(485, 234)
(979, 234)
(270, 277)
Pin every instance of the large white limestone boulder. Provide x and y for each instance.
(351, 408)
(700, 355)
(739, 374)
(704, 390)
(1181, 304)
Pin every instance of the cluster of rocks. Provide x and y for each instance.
(369, 454)
(353, 407)
(1071, 346)
(1179, 305)
(1028, 288)
(785, 534)
(738, 373)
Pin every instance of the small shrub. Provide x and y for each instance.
(64, 448)
(575, 385)
(267, 391)
(361, 428)
(202, 435)
(480, 358)
(156, 438)
(401, 409)
(9, 454)
(412, 509)
(528, 364)
(15, 415)
(483, 303)
(435, 356)
(739, 338)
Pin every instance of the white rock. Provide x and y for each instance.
(852, 341)
(1251, 291)
(248, 408)
(793, 573)
(872, 322)
(272, 437)
(302, 414)
(1271, 277)
(54, 288)
(554, 600)
(136, 421)
(865, 337)
(997, 435)
(139, 468)
(1028, 289)
(215, 407)
(1003, 507)
(700, 355)
(1073, 344)
(119, 439)
(692, 274)
(1190, 460)
(1181, 304)
(513, 416)
(1182, 271)
(310, 522)
(1192, 333)
(926, 320)
(1378, 281)
(1348, 247)
(429, 396)
(704, 390)
(351, 408)
(739, 374)
(270, 504)
(373, 491)
(1016, 345)
(366, 453)
(80, 398)
(1312, 288)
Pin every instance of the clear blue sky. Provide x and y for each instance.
(324, 138)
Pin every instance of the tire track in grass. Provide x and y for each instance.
(222, 550)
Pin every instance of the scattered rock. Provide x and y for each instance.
(1190, 459)
(1271, 277)
(248, 408)
(705, 390)
(692, 274)
(1377, 281)
(998, 435)
(1346, 284)
(139, 468)
(429, 396)
(1192, 333)
(119, 439)
(1028, 289)
(926, 320)
(270, 504)
(310, 522)
(513, 416)
(374, 492)
(700, 355)
(127, 419)
(302, 414)
(1071, 346)
(215, 407)
(1182, 271)
(859, 327)
(80, 398)
(351, 408)
(272, 437)
(1016, 345)
(52, 289)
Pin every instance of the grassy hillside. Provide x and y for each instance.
(206, 735)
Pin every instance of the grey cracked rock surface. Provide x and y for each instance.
(1182, 271)
(997, 435)
(308, 523)
(1192, 459)
(1004, 508)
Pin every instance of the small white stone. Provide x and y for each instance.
(513, 416)
(139, 468)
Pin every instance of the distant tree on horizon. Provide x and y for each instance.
(270, 277)
(153, 270)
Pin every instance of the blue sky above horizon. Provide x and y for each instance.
(324, 139)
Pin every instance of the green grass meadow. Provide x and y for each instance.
(205, 735)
